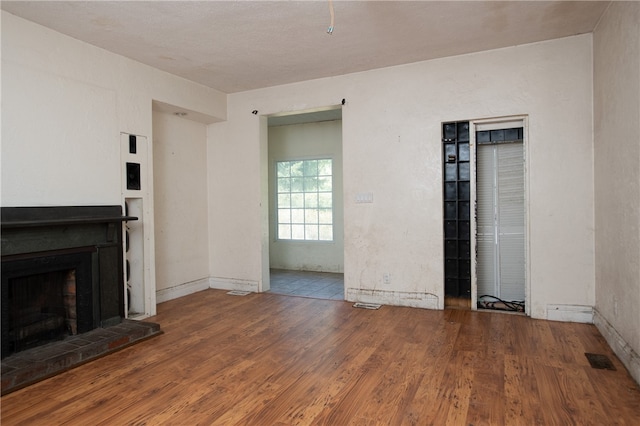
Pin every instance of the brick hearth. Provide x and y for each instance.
(30, 366)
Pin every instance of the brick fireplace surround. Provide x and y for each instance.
(62, 290)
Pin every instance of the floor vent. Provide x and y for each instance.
(238, 293)
(601, 362)
(366, 305)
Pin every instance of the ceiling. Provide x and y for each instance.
(235, 46)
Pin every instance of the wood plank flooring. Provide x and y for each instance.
(268, 359)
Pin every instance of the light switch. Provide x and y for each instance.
(364, 197)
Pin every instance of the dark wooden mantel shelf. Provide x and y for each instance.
(61, 222)
(29, 217)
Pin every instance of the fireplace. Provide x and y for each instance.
(62, 273)
(45, 297)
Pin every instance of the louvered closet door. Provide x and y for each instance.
(500, 220)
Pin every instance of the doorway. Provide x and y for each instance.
(484, 214)
(499, 223)
(306, 225)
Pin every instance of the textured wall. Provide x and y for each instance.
(391, 147)
(617, 173)
(180, 202)
(64, 105)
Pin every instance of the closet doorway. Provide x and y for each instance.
(499, 233)
(484, 214)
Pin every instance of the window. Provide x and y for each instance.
(305, 200)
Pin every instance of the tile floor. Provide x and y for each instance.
(317, 285)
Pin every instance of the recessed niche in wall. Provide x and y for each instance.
(134, 258)
(133, 176)
(456, 209)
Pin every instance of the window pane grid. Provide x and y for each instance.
(305, 200)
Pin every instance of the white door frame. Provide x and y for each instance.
(495, 124)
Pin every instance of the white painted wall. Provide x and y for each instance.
(308, 141)
(64, 99)
(617, 179)
(238, 247)
(64, 104)
(180, 183)
(391, 147)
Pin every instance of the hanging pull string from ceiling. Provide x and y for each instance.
(333, 17)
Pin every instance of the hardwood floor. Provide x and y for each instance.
(268, 359)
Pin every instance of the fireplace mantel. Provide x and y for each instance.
(27, 217)
(27, 230)
(35, 238)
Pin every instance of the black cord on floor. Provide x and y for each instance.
(497, 303)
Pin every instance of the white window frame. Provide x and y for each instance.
(305, 195)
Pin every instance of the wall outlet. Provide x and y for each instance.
(386, 278)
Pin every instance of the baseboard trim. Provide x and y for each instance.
(570, 313)
(623, 351)
(395, 298)
(233, 284)
(180, 290)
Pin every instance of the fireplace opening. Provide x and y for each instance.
(46, 297)
(42, 308)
